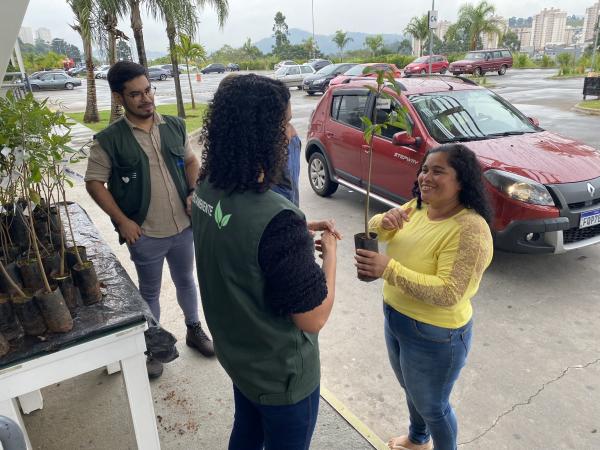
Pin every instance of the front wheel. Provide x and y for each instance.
(443, 71)
(163, 77)
(310, 92)
(69, 86)
(477, 72)
(318, 176)
(502, 70)
(35, 88)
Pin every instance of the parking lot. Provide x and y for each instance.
(532, 380)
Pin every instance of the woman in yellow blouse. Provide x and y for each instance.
(438, 246)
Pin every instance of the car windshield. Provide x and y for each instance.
(328, 70)
(475, 55)
(356, 70)
(422, 59)
(469, 115)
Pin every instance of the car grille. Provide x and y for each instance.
(580, 234)
(579, 205)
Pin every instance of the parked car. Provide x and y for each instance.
(76, 71)
(214, 68)
(102, 71)
(544, 187)
(53, 80)
(169, 69)
(439, 64)
(293, 76)
(284, 63)
(357, 71)
(319, 81)
(155, 73)
(233, 67)
(318, 64)
(479, 62)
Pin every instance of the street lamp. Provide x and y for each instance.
(312, 7)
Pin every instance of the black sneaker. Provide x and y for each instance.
(154, 368)
(197, 338)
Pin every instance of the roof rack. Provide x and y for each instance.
(454, 77)
(386, 82)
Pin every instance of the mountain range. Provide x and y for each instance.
(325, 43)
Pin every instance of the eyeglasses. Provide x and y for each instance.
(136, 95)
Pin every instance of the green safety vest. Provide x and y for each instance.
(129, 181)
(268, 358)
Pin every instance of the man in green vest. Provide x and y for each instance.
(141, 172)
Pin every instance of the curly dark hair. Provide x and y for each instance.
(472, 194)
(244, 134)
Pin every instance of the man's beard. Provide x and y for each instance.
(140, 113)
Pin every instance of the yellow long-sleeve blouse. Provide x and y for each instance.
(435, 266)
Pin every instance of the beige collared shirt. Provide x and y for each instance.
(166, 214)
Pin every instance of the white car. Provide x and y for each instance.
(293, 75)
(284, 63)
(100, 72)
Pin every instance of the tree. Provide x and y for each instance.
(456, 40)
(478, 20)
(405, 48)
(83, 11)
(251, 50)
(341, 39)
(181, 15)
(418, 28)
(74, 53)
(123, 51)
(280, 33)
(310, 47)
(187, 50)
(59, 46)
(135, 18)
(511, 40)
(374, 43)
(41, 46)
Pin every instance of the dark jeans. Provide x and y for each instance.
(148, 254)
(427, 361)
(286, 427)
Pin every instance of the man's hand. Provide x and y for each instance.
(324, 225)
(188, 204)
(394, 219)
(129, 230)
(371, 264)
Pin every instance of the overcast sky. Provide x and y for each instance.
(254, 18)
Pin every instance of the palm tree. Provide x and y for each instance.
(341, 40)
(418, 28)
(137, 26)
(83, 11)
(109, 12)
(476, 20)
(181, 15)
(190, 50)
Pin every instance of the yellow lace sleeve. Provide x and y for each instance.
(464, 258)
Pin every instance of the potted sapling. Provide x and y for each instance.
(398, 117)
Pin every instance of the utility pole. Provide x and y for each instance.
(431, 19)
(595, 44)
(312, 7)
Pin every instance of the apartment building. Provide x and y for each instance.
(26, 35)
(44, 34)
(524, 35)
(493, 40)
(589, 21)
(548, 27)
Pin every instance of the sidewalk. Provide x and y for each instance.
(193, 399)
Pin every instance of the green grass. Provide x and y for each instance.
(591, 104)
(193, 121)
(564, 77)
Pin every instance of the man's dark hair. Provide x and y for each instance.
(122, 72)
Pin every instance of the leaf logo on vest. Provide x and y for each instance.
(221, 220)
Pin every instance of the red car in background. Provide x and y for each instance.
(357, 71)
(439, 64)
(544, 187)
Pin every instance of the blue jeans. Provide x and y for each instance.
(286, 427)
(427, 361)
(148, 254)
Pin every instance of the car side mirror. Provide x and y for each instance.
(534, 121)
(402, 138)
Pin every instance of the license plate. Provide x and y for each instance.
(589, 218)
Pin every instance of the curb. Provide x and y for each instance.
(590, 111)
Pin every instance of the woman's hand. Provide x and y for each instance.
(324, 225)
(371, 264)
(327, 244)
(394, 219)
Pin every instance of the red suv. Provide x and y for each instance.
(545, 188)
(439, 64)
(481, 61)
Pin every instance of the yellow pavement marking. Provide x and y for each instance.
(354, 421)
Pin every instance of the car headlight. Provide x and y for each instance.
(318, 81)
(519, 188)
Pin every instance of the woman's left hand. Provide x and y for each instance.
(324, 225)
(371, 264)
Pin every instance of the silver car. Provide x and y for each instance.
(293, 75)
(54, 80)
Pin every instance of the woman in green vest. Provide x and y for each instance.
(264, 296)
